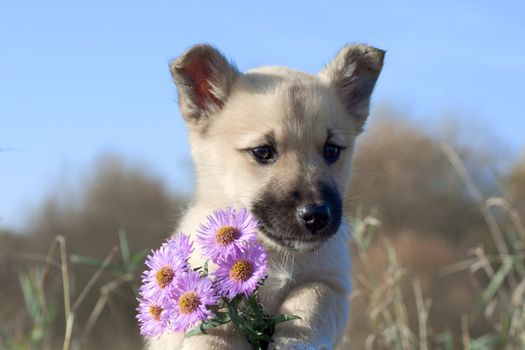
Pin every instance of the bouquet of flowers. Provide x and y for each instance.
(176, 297)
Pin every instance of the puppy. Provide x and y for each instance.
(279, 142)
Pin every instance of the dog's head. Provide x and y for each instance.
(276, 140)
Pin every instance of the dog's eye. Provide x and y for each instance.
(331, 152)
(263, 154)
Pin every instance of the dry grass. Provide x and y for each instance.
(387, 294)
(81, 261)
(438, 258)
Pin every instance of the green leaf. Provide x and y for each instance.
(205, 268)
(203, 327)
(486, 341)
(124, 247)
(222, 303)
(255, 306)
(137, 258)
(493, 286)
(254, 337)
(261, 325)
(284, 317)
(234, 312)
(446, 339)
(96, 263)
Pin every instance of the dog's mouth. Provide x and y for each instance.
(292, 224)
(301, 237)
(297, 240)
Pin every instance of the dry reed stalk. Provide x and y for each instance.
(101, 302)
(490, 219)
(513, 213)
(89, 285)
(423, 308)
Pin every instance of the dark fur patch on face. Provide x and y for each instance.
(277, 212)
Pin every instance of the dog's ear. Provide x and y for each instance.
(353, 74)
(204, 78)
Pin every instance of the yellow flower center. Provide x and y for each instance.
(164, 276)
(155, 311)
(189, 302)
(241, 270)
(226, 235)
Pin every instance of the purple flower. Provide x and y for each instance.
(181, 245)
(241, 271)
(226, 231)
(169, 260)
(153, 318)
(190, 297)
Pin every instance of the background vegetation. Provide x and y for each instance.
(438, 249)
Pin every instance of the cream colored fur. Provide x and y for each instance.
(310, 280)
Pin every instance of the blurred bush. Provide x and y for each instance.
(116, 196)
(431, 215)
(404, 173)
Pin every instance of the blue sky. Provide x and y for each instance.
(80, 79)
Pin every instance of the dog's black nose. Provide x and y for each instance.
(314, 216)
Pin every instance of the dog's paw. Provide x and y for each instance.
(214, 343)
(282, 343)
(225, 337)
